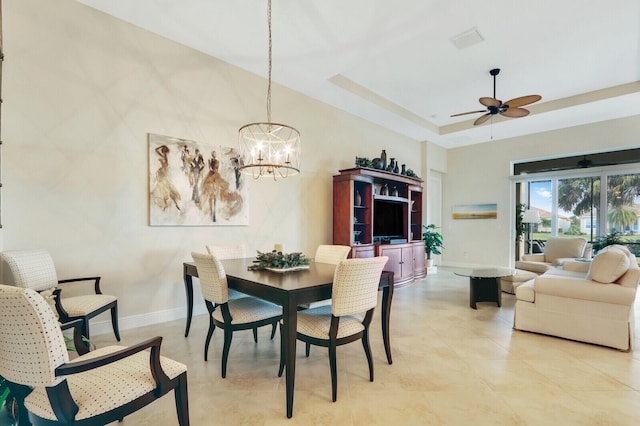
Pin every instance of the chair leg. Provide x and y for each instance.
(228, 335)
(255, 334)
(182, 401)
(307, 349)
(114, 321)
(212, 327)
(334, 371)
(281, 369)
(273, 329)
(85, 328)
(367, 351)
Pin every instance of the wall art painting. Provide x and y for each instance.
(195, 184)
(475, 211)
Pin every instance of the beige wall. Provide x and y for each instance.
(81, 92)
(480, 174)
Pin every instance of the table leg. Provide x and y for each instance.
(188, 286)
(290, 326)
(484, 290)
(387, 295)
(472, 293)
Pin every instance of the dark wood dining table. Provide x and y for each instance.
(288, 289)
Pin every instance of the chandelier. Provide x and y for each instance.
(268, 149)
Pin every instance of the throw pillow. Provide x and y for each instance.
(608, 266)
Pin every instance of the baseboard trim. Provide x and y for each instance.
(135, 321)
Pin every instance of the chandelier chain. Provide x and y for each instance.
(270, 61)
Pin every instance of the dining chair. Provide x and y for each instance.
(96, 388)
(35, 269)
(235, 251)
(327, 253)
(243, 313)
(229, 251)
(333, 254)
(354, 298)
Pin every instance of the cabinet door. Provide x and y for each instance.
(406, 265)
(400, 261)
(394, 253)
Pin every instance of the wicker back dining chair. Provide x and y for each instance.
(229, 251)
(354, 298)
(35, 269)
(234, 251)
(332, 254)
(97, 388)
(243, 313)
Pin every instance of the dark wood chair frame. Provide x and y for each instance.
(113, 306)
(229, 328)
(64, 406)
(332, 343)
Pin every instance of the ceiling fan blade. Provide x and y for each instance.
(490, 102)
(515, 112)
(523, 100)
(482, 119)
(470, 112)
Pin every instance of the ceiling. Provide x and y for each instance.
(394, 62)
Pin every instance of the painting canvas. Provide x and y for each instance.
(195, 184)
(475, 211)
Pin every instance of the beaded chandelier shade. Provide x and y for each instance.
(268, 149)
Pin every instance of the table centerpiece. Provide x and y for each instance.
(278, 261)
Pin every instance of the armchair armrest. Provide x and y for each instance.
(160, 377)
(78, 341)
(576, 288)
(535, 257)
(96, 284)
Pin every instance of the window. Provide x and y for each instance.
(574, 205)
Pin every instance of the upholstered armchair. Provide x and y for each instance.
(557, 249)
(97, 388)
(35, 269)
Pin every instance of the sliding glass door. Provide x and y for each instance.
(576, 206)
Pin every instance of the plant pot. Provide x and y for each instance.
(428, 263)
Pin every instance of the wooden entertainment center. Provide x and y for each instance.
(379, 213)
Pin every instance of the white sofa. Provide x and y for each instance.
(589, 302)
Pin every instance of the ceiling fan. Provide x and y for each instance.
(495, 106)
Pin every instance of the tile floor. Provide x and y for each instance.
(451, 366)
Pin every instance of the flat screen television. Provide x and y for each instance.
(388, 219)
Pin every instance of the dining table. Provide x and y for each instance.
(289, 290)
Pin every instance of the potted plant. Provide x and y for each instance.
(432, 241)
(607, 240)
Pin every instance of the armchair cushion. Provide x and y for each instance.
(558, 248)
(608, 266)
(539, 267)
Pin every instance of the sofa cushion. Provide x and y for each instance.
(608, 266)
(558, 247)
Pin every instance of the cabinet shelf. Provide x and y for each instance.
(391, 198)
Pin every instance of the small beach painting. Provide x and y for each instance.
(475, 211)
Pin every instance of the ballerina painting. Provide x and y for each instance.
(194, 184)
